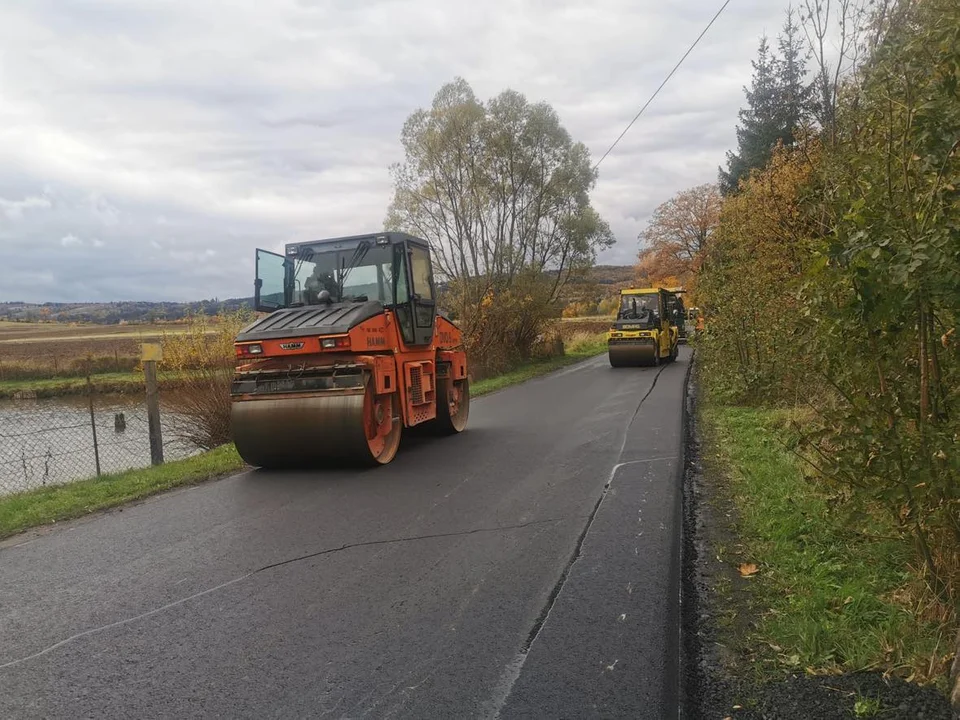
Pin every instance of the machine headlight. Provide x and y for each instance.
(335, 342)
(255, 349)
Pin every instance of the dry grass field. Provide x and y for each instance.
(569, 327)
(50, 351)
(40, 351)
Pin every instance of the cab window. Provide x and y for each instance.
(420, 264)
(400, 270)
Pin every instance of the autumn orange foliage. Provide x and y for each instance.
(676, 235)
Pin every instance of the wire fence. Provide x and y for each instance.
(45, 442)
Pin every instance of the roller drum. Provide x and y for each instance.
(632, 354)
(301, 431)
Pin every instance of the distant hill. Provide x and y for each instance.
(598, 282)
(116, 312)
(611, 275)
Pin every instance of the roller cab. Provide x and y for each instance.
(677, 313)
(642, 333)
(349, 350)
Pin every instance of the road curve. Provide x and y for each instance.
(528, 567)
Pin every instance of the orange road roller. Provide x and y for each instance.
(350, 351)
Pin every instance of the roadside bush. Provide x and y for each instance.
(549, 345)
(882, 298)
(752, 271)
(582, 308)
(201, 360)
(502, 326)
(608, 306)
(833, 282)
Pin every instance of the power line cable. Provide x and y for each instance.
(656, 92)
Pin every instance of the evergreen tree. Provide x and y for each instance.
(778, 102)
(795, 92)
(759, 127)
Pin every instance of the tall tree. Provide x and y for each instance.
(794, 90)
(758, 129)
(778, 102)
(677, 233)
(500, 188)
(851, 37)
(502, 192)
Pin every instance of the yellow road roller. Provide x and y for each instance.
(350, 351)
(643, 333)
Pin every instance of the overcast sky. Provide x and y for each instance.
(146, 148)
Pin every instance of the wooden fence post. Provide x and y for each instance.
(93, 425)
(151, 353)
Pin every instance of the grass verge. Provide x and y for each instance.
(831, 599)
(122, 382)
(22, 511)
(57, 387)
(46, 505)
(575, 353)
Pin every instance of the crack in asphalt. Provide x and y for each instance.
(626, 433)
(551, 600)
(514, 669)
(271, 566)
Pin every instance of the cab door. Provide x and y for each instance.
(422, 294)
(271, 289)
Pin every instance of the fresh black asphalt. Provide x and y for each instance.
(528, 567)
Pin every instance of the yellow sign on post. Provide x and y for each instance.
(151, 352)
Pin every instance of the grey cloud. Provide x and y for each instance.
(14, 209)
(171, 138)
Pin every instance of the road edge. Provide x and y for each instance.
(689, 648)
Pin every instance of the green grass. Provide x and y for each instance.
(122, 382)
(828, 592)
(46, 505)
(531, 370)
(866, 707)
(55, 387)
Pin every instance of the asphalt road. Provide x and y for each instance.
(528, 567)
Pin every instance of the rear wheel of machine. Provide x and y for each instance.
(382, 425)
(453, 405)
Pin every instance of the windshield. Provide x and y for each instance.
(638, 307)
(354, 274)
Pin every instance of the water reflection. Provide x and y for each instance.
(51, 441)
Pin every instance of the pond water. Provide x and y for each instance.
(51, 441)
